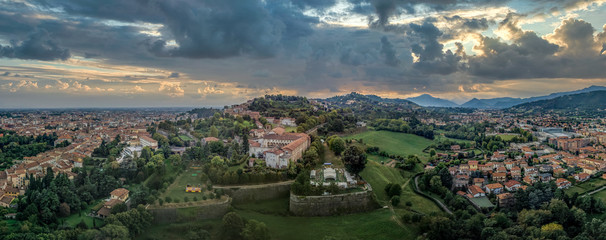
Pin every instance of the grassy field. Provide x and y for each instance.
(179, 230)
(372, 225)
(75, 218)
(329, 157)
(586, 186)
(378, 176)
(395, 143)
(177, 189)
(601, 195)
(185, 137)
(290, 129)
(507, 137)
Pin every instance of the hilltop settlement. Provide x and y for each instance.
(389, 168)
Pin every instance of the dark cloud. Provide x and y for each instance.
(577, 36)
(173, 75)
(530, 56)
(316, 4)
(37, 46)
(388, 51)
(207, 29)
(386, 9)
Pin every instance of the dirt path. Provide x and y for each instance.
(256, 185)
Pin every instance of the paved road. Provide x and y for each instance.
(444, 207)
(595, 191)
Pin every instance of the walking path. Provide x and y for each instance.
(444, 207)
(595, 191)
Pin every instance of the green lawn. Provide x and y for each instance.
(419, 203)
(401, 144)
(179, 230)
(329, 157)
(586, 186)
(177, 189)
(75, 218)
(290, 129)
(372, 225)
(185, 137)
(601, 195)
(378, 176)
(506, 137)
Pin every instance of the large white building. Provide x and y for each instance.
(279, 148)
(148, 142)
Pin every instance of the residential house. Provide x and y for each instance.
(461, 180)
(582, 177)
(506, 200)
(120, 194)
(499, 177)
(545, 177)
(512, 185)
(563, 183)
(476, 191)
(473, 165)
(478, 182)
(495, 188)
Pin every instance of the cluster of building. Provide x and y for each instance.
(85, 131)
(278, 147)
(117, 196)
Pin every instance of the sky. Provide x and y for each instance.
(191, 53)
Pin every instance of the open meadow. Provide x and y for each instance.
(397, 143)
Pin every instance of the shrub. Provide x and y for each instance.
(395, 201)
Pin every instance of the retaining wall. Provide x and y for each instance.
(332, 204)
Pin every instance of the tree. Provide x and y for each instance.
(64, 210)
(113, 231)
(214, 132)
(354, 159)
(336, 144)
(232, 225)
(395, 200)
(118, 208)
(432, 152)
(394, 190)
(255, 230)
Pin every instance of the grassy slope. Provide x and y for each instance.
(395, 143)
(378, 176)
(372, 225)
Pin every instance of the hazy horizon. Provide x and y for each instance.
(127, 53)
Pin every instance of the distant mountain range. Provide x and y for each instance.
(427, 100)
(591, 101)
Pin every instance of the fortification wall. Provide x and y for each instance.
(258, 192)
(332, 204)
(190, 213)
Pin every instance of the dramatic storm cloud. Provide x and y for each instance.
(73, 53)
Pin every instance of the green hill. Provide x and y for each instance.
(585, 102)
